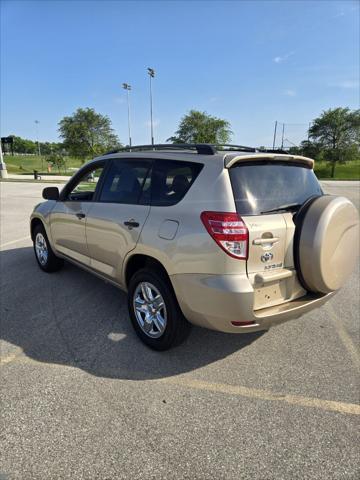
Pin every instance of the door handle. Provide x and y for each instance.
(264, 241)
(131, 224)
(80, 215)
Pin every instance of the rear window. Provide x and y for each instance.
(171, 181)
(263, 186)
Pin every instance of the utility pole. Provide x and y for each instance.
(38, 143)
(282, 137)
(3, 171)
(127, 87)
(275, 135)
(151, 73)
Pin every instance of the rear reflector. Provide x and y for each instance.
(242, 324)
(229, 232)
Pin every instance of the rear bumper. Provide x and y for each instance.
(214, 301)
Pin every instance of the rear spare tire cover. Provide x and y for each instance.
(328, 243)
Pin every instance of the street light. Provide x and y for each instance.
(151, 73)
(37, 139)
(127, 87)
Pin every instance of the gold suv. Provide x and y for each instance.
(225, 237)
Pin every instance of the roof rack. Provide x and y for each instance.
(200, 148)
(272, 150)
(228, 147)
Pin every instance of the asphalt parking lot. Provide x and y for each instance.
(82, 398)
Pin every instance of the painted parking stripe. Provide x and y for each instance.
(328, 405)
(302, 401)
(15, 241)
(344, 336)
(11, 357)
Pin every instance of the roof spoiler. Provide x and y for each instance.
(231, 160)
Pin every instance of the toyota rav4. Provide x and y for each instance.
(228, 238)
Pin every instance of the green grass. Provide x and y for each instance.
(343, 171)
(26, 164)
(23, 164)
(31, 180)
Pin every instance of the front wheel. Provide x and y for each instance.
(154, 311)
(46, 258)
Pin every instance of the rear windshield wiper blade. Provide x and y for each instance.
(289, 206)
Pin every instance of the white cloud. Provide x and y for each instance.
(283, 58)
(340, 14)
(289, 92)
(346, 84)
(213, 99)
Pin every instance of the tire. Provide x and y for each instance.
(45, 257)
(173, 328)
(326, 243)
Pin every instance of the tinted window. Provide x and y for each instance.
(264, 186)
(127, 182)
(85, 187)
(171, 180)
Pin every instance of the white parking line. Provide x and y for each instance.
(344, 336)
(327, 405)
(220, 388)
(14, 241)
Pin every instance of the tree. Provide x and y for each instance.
(199, 127)
(337, 132)
(308, 149)
(47, 148)
(87, 133)
(22, 145)
(57, 160)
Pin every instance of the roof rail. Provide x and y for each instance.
(272, 150)
(200, 148)
(229, 147)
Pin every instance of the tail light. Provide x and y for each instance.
(229, 232)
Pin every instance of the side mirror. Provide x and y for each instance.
(51, 193)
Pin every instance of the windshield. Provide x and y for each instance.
(263, 186)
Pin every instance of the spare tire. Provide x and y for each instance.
(326, 242)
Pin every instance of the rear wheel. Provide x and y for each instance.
(154, 311)
(47, 260)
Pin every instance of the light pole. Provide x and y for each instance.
(37, 139)
(274, 141)
(3, 171)
(151, 73)
(282, 136)
(127, 87)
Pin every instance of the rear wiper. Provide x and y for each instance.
(289, 206)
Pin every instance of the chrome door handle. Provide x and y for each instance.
(262, 241)
(80, 215)
(131, 224)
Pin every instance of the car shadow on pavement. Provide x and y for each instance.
(74, 319)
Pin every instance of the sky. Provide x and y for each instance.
(249, 62)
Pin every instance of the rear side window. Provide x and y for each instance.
(263, 186)
(171, 181)
(127, 182)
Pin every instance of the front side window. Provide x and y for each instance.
(171, 181)
(127, 181)
(84, 189)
